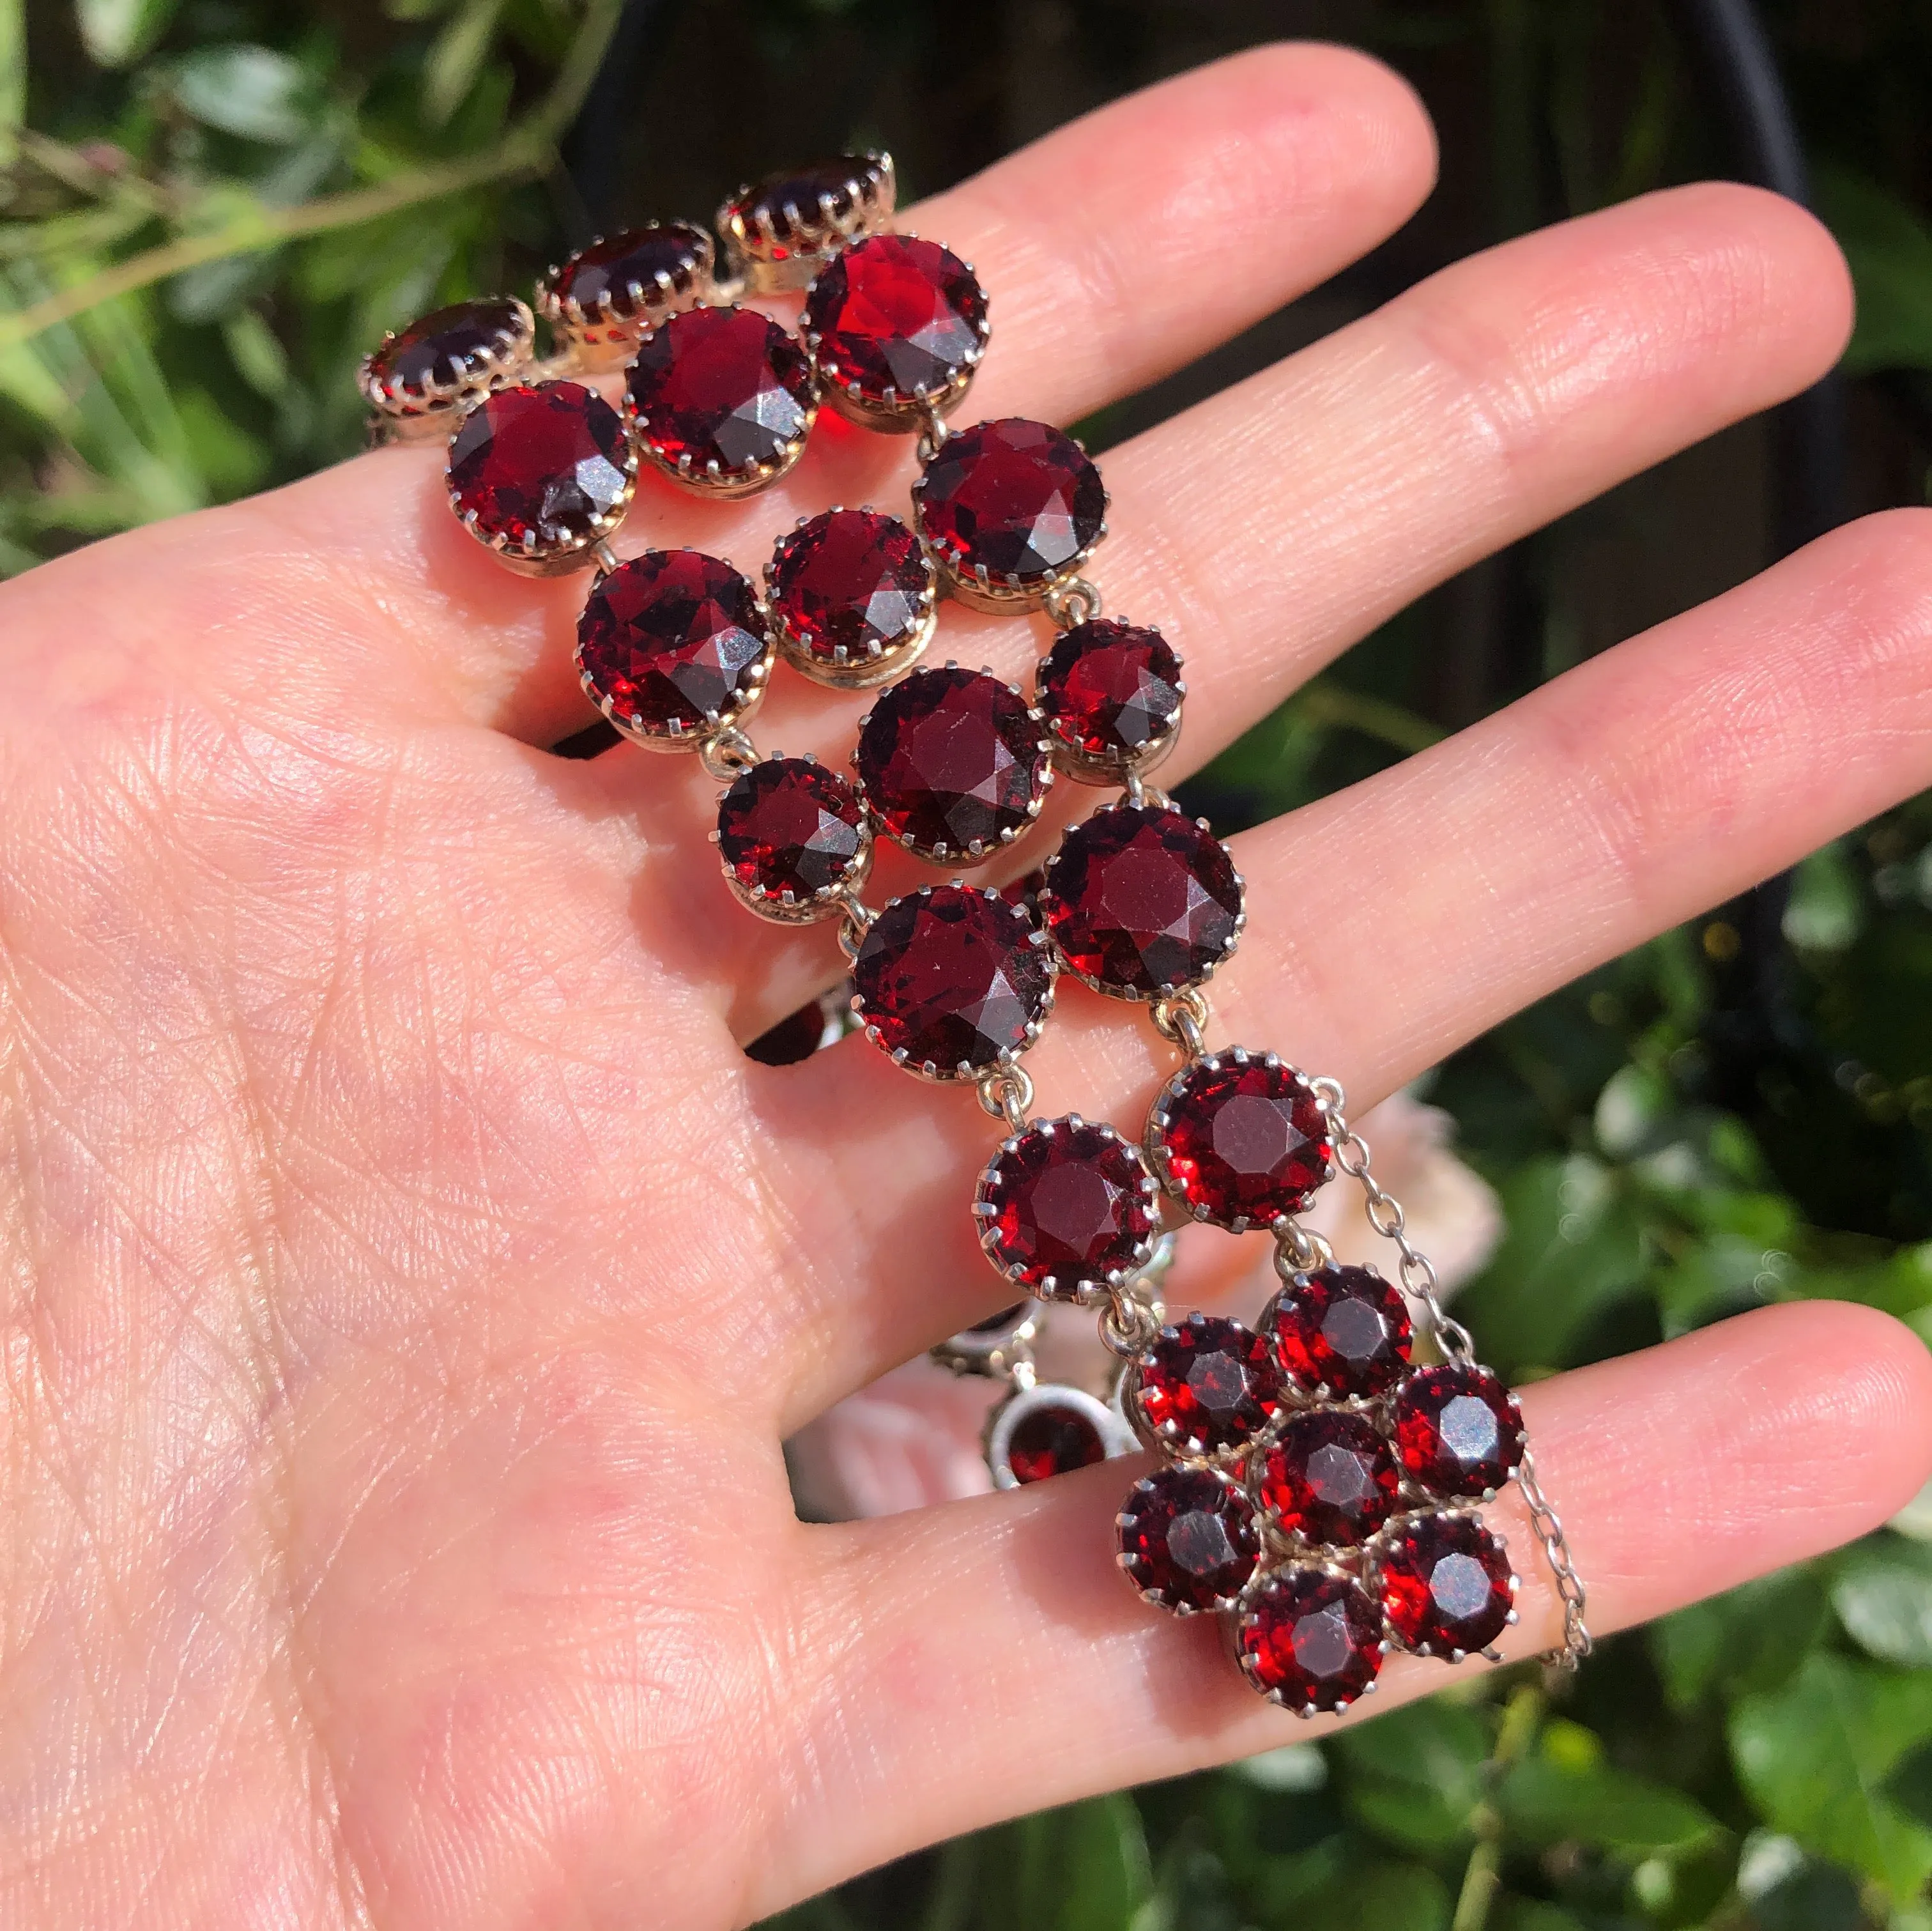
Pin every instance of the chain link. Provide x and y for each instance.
(726, 753)
(1006, 1094)
(1181, 1018)
(933, 433)
(855, 920)
(1299, 1249)
(1072, 602)
(1128, 1324)
(1577, 1640)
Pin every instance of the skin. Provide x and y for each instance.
(408, 1284)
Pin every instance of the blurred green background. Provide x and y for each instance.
(208, 208)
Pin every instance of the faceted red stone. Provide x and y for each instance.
(1328, 1477)
(799, 203)
(789, 829)
(1311, 1640)
(953, 762)
(849, 585)
(444, 348)
(1446, 1585)
(721, 391)
(894, 317)
(618, 275)
(1109, 690)
(1344, 1328)
(674, 640)
(1458, 1431)
(537, 465)
(1051, 1440)
(1187, 1538)
(949, 978)
(1141, 900)
(1069, 1206)
(1207, 1386)
(1016, 498)
(1241, 1140)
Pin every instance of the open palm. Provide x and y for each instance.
(408, 1284)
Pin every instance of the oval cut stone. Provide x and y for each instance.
(1240, 1141)
(1310, 1640)
(721, 396)
(795, 209)
(951, 980)
(850, 586)
(447, 347)
(1110, 695)
(1446, 1585)
(1458, 1431)
(671, 641)
(1207, 1386)
(626, 274)
(1187, 1538)
(1343, 1329)
(1053, 1438)
(541, 468)
(894, 317)
(1328, 1477)
(1141, 900)
(1067, 1207)
(790, 830)
(1010, 502)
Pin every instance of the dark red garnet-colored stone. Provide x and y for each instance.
(1244, 1142)
(445, 347)
(724, 387)
(788, 826)
(673, 638)
(1458, 1431)
(1342, 1328)
(850, 584)
(1446, 1584)
(1328, 1477)
(1188, 1538)
(1209, 1385)
(951, 978)
(953, 762)
(796, 201)
(1051, 1440)
(1141, 900)
(601, 277)
(894, 317)
(1108, 690)
(1069, 1204)
(538, 465)
(1015, 498)
(1312, 1639)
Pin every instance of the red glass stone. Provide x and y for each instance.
(1051, 1439)
(1187, 1538)
(1328, 1477)
(1241, 1140)
(672, 640)
(1310, 1640)
(1343, 1329)
(1067, 1207)
(850, 585)
(801, 203)
(894, 317)
(722, 394)
(1014, 499)
(1207, 1386)
(1458, 1431)
(447, 347)
(539, 468)
(1446, 1585)
(624, 274)
(953, 763)
(1111, 691)
(788, 829)
(952, 979)
(1141, 901)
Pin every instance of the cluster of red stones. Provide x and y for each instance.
(1316, 1489)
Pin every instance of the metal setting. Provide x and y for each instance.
(787, 908)
(417, 412)
(1167, 1437)
(1000, 1348)
(605, 334)
(1257, 1586)
(1374, 1549)
(842, 671)
(1046, 1397)
(1107, 767)
(1125, 1520)
(1293, 1274)
(717, 724)
(776, 243)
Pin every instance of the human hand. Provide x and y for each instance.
(409, 1283)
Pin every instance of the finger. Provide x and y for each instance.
(1267, 529)
(1391, 922)
(1005, 1666)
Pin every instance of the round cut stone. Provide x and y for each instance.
(671, 641)
(446, 348)
(953, 763)
(893, 316)
(1328, 1477)
(1207, 1386)
(1458, 1431)
(1187, 1538)
(1343, 1329)
(1310, 1640)
(951, 980)
(1067, 1208)
(539, 468)
(1051, 1439)
(1446, 1585)
(624, 274)
(1111, 693)
(788, 829)
(849, 586)
(721, 394)
(1241, 1141)
(1013, 498)
(1141, 901)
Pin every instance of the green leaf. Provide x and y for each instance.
(457, 57)
(1890, 253)
(1814, 1755)
(251, 91)
(1084, 1868)
(1750, 1639)
(1909, 1785)
(1825, 912)
(1883, 1597)
(117, 33)
(1415, 1776)
(13, 72)
(1545, 1802)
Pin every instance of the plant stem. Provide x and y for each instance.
(1389, 724)
(1483, 1873)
